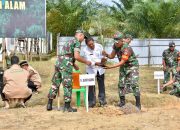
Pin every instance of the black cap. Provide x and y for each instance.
(22, 63)
(171, 44)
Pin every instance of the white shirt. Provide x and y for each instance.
(93, 56)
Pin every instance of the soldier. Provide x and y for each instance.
(63, 70)
(170, 60)
(176, 83)
(128, 71)
(34, 82)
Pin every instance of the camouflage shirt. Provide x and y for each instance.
(126, 53)
(170, 58)
(177, 77)
(66, 59)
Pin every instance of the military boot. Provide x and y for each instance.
(68, 108)
(49, 105)
(122, 101)
(138, 102)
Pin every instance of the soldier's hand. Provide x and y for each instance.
(88, 63)
(161, 87)
(104, 53)
(107, 67)
(104, 60)
(98, 64)
(164, 68)
(76, 67)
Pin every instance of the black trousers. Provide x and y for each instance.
(101, 88)
(1, 84)
(32, 86)
(2, 94)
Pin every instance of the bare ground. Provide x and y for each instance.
(159, 112)
(107, 118)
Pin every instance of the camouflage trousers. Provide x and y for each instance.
(128, 78)
(64, 77)
(167, 73)
(176, 89)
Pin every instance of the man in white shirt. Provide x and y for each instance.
(93, 52)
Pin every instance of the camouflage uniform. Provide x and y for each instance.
(129, 72)
(171, 61)
(176, 84)
(63, 70)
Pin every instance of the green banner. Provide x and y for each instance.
(22, 18)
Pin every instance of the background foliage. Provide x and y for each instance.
(141, 18)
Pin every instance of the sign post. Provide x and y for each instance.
(158, 75)
(87, 80)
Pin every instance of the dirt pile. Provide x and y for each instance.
(107, 111)
(129, 108)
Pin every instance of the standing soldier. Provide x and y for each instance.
(63, 70)
(170, 60)
(128, 71)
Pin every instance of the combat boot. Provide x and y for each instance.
(68, 108)
(102, 103)
(49, 105)
(122, 101)
(138, 102)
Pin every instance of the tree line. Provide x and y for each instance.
(141, 18)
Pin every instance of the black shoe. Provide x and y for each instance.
(102, 103)
(92, 105)
(138, 102)
(68, 108)
(122, 101)
(49, 105)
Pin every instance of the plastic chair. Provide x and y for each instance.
(77, 88)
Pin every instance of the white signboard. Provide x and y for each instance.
(158, 75)
(87, 79)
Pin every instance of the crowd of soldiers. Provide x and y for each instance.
(128, 69)
(20, 80)
(171, 68)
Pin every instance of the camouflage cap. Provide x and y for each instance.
(117, 36)
(24, 62)
(129, 36)
(82, 31)
(171, 44)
